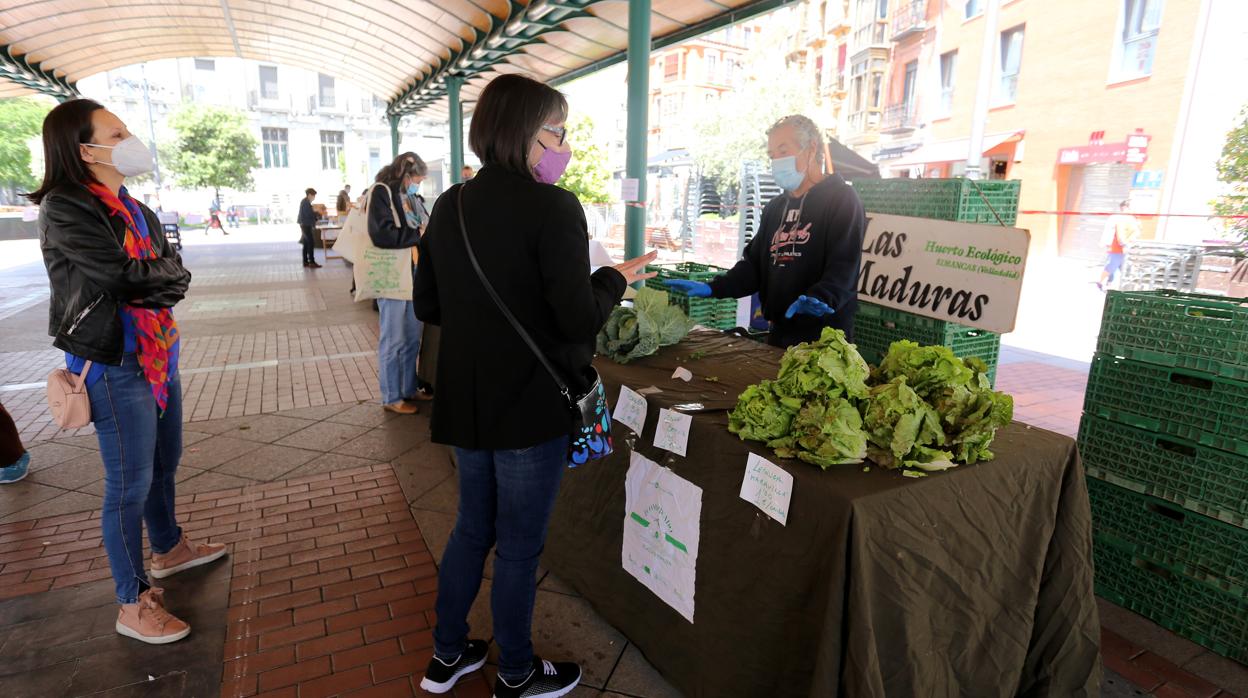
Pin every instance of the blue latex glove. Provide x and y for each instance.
(808, 305)
(693, 289)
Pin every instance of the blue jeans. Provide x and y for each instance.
(397, 350)
(1114, 264)
(141, 449)
(505, 498)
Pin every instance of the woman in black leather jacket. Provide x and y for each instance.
(115, 279)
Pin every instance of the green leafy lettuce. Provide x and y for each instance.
(825, 434)
(631, 333)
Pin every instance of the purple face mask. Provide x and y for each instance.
(550, 168)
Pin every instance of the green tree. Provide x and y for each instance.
(22, 119)
(1233, 170)
(587, 174)
(215, 148)
(733, 129)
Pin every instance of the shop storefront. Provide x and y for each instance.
(1094, 179)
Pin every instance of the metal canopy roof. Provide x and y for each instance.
(402, 50)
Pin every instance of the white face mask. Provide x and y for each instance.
(131, 157)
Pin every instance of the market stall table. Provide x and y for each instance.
(973, 582)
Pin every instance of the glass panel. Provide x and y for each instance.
(268, 81)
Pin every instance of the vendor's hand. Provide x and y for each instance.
(808, 305)
(634, 270)
(693, 289)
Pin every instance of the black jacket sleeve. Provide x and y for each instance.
(837, 286)
(383, 206)
(744, 279)
(78, 231)
(580, 302)
(170, 295)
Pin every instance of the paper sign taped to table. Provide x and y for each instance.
(662, 526)
(767, 487)
(672, 434)
(630, 409)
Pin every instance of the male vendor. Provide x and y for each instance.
(804, 261)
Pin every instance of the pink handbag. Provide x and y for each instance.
(67, 398)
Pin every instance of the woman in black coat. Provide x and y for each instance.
(495, 403)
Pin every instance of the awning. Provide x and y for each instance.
(849, 164)
(953, 150)
(403, 52)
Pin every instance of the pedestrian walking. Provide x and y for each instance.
(1120, 230)
(114, 282)
(307, 227)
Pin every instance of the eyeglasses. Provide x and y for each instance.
(557, 130)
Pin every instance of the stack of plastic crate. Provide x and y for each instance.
(1164, 438)
(953, 199)
(716, 313)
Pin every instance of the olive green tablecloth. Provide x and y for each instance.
(975, 582)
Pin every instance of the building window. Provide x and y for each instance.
(881, 10)
(671, 66)
(374, 159)
(325, 90)
(877, 83)
(712, 63)
(974, 8)
(1137, 42)
(909, 88)
(268, 82)
(207, 64)
(276, 144)
(331, 149)
(730, 69)
(1011, 58)
(948, 63)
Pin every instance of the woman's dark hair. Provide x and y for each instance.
(64, 129)
(509, 113)
(406, 164)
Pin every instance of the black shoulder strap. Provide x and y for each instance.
(463, 230)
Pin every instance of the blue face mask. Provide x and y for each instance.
(413, 189)
(784, 171)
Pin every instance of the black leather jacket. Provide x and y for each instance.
(92, 276)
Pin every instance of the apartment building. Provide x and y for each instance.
(1091, 104)
(311, 129)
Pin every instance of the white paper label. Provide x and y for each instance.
(672, 433)
(767, 487)
(662, 526)
(630, 409)
(630, 189)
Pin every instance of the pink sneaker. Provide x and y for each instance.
(184, 556)
(148, 621)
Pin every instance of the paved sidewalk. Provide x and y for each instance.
(336, 512)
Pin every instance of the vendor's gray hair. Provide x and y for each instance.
(808, 133)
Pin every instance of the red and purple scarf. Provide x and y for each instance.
(156, 332)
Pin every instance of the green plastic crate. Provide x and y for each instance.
(1196, 610)
(1185, 330)
(1205, 409)
(953, 199)
(1182, 541)
(876, 327)
(717, 313)
(1198, 478)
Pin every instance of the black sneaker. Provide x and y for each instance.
(440, 677)
(546, 680)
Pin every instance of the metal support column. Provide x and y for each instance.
(394, 135)
(983, 91)
(638, 124)
(456, 116)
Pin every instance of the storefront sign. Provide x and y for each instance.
(662, 527)
(1133, 150)
(966, 273)
(1148, 179)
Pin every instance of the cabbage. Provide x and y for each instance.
(631, 333)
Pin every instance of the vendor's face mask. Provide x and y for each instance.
(784, 171)
(131, 157)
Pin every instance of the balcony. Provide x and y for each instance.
(899, 119)
(869, 37)
(910, 20)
